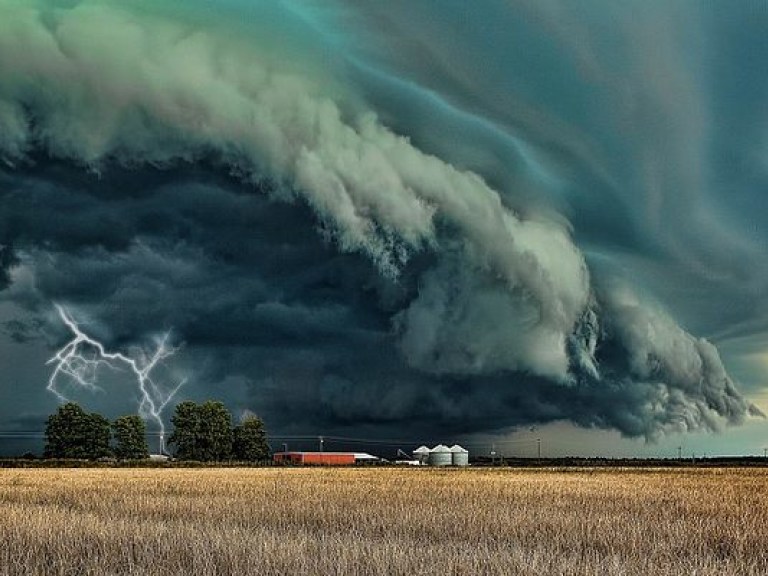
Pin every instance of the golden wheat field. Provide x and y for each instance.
(383, 521)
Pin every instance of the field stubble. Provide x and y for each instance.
(383, 521)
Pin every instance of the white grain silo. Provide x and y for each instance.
(459, 456)
(421, 454)
(440, 455)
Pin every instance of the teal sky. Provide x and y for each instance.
(431, 221)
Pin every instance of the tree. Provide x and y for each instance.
(130, 437)
(74, 433)
(216, 431)
(249, 440)
(202, 431)
(185, 430)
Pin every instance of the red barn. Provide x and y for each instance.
(322, 458)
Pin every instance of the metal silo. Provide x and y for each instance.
(421, 454)
(440, 455)
(459, 456)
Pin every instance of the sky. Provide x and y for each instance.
(405, 222)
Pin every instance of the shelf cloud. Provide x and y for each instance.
(346, 236)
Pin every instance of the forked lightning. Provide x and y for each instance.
(81, 358)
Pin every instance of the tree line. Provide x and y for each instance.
(202, 432)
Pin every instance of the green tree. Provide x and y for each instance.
(216, 431)
(130, 438)
(202, 431)
(249, 440)
(185, 430)
(73, 433)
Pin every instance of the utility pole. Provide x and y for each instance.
(679, 452)
(538, 447)
(765, 452)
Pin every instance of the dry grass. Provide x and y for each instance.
(383, 521)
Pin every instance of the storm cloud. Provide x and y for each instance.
(257, 179)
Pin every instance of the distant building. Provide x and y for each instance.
(459, 456)
(421, 454)
(441, 455)
(325, 458)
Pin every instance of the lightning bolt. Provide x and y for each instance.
(81, 358)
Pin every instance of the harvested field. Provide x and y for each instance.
(384, 521)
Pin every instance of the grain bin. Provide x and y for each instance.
(440, 455)
(421, 454)
(459, 456)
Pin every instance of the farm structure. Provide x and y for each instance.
(325, 458)
(441, 455)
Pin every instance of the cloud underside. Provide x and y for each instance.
(165, 172)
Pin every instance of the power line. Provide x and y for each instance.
(394, 442)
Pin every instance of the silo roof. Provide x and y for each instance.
(441, 448)
(421, 450)
(456, 448)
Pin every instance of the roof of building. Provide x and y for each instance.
(357, 455)
(365, 456)
(306, 452)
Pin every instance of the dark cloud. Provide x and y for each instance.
(408, 242)
(22, 331)
(256, 293)
(8, 259)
